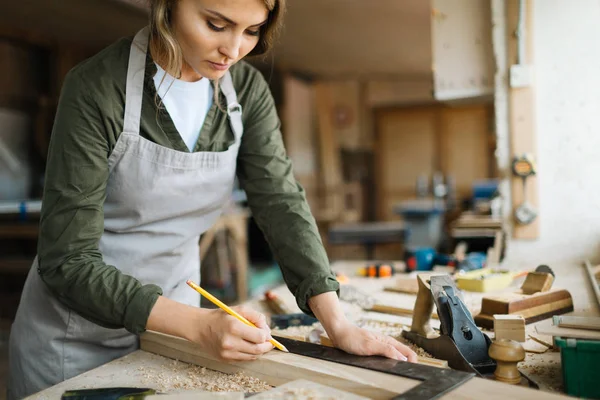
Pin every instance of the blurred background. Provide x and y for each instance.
(403, 118)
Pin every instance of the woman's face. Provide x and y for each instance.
(215, 34)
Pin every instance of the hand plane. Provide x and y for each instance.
(459, 341)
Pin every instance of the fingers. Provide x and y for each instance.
(405, 352)
(255, 317)
(236, 349)
(250, 333)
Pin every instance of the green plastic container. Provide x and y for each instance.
(581, 372)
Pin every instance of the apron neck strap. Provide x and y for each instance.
(234, 109)
(135, 82)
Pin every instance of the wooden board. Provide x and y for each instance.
(569, 321)
(593, 281)
(277, 368)
(302, 389)
(531, 307)
(547, 328)
(387, 309)
(522, 117)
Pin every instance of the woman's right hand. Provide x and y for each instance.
(218, 333)
(229, 339)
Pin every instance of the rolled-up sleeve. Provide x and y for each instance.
(72, 220)
(278, 202)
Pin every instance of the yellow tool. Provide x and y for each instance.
(485, 279)
(229, 311)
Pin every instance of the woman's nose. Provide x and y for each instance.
(231, 48)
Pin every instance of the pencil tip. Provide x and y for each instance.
(284, 349)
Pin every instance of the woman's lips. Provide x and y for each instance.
(219, 67)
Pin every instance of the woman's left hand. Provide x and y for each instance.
(355, 340)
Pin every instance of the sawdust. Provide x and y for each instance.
(182, 376)
(547, 373)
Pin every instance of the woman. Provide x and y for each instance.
(136, 174)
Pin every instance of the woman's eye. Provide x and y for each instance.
(215, 27)
(253, 33)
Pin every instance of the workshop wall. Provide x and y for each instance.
(567, 62)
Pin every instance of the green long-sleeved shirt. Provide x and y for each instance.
(88, 123)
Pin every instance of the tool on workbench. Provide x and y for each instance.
(435, 382)
(540, 280)
(230, 311)
(426, 258)
(275, 304)
(378, 270)
(116, 393)
(507, 354)
(535, 301)
(459, 341)
(285, 321)
(524, 167)
(420, 259)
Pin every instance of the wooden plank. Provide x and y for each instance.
(387, 309)
(593, 281)
(522, 117)
(570, 321)
(547, 328)
(277, 368)
(531, 307)
(305, 389)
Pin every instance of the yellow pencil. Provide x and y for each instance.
(231, 312)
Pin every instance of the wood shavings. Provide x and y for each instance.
(546, 372)
(181, 376)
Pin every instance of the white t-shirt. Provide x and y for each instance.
(187, 103)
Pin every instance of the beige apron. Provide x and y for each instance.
(158, 202)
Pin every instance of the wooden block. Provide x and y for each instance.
(532, 308)
(531, 346)
(569, 321)
(303, 389)
(537, 282)
(543, 340)
(509, 327)
(547, 328)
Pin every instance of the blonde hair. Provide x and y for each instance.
(164, 45)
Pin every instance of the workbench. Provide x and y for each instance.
(148, 370)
